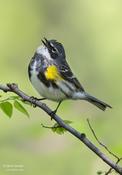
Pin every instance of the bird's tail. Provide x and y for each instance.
(100, 104)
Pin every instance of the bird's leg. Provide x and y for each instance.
(54, 112)
(57, 107)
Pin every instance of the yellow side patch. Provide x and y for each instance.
(52, 73)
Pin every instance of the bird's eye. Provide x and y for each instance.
(53, 50)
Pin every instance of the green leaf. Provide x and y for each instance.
(20, 108)
(58, 129)
(14, 97)
(7, 108)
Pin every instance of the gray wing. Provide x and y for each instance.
(67, 74)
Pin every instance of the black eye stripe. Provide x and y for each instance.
(53, 48)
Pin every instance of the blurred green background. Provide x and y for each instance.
(91, 32)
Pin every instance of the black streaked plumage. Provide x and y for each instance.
(68, 87)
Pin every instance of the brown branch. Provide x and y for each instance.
(81, 136)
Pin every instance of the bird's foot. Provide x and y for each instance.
(52, 113)
(34, 99)
(55, 111)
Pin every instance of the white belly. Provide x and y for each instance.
(49, 93)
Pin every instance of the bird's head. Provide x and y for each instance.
(52, 49)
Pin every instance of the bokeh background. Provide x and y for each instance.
(91, 32)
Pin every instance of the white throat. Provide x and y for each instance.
(42, 50)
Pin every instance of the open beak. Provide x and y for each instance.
(46, 42)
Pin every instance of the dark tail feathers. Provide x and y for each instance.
(100, 104)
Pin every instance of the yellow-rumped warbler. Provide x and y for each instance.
(52, 77)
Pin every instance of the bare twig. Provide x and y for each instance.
(81, 136)
(103, 145)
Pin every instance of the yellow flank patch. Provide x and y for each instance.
(52, 73)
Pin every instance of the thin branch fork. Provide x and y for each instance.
(104, 146)
(81, 136)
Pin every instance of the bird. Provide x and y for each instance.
(52, 77)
